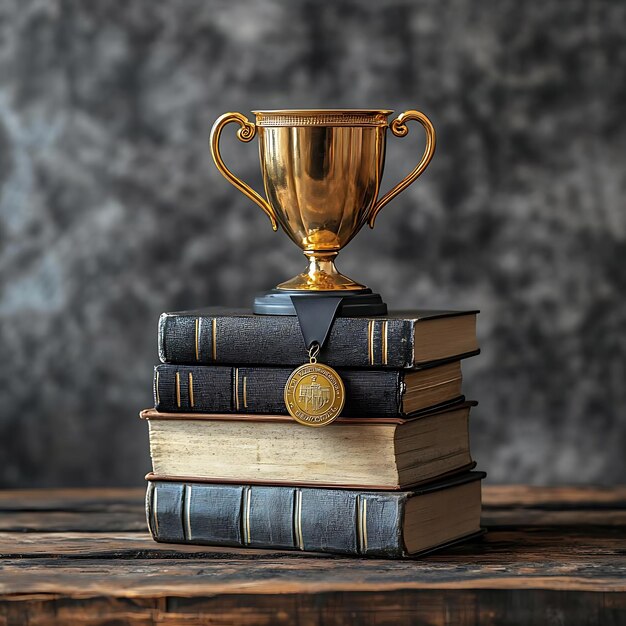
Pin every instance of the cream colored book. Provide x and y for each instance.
(370, 453)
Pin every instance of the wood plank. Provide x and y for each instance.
(515, 505)
(503, 561)
(485, 607)
(85, 500)
(464, 608)
(562, 544)
(72, 521)
(501, 518)
(554, 497)
(66, 510)
(129, 545)
(45, 610)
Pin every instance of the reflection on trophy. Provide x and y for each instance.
(322, 171)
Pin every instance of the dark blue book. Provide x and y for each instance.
(364, 523)
(260, 390)
(404, 339)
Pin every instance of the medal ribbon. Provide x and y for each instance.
(316, 316)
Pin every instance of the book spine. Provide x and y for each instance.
(280, 518)
(260, 390)
(277, 340)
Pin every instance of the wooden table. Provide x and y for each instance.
(551, 556)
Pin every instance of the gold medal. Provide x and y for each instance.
(314, 393)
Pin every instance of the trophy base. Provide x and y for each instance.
(361, 303)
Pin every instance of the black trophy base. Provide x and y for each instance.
(362, 303)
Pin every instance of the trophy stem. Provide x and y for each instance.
(321, 280)
(321, 275)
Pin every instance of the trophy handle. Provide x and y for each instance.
(246, 133)
(399, 129)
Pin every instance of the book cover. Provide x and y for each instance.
(260, 390)
(236, 336)
(363, 523)
(352, 452)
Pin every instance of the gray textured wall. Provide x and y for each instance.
(111, 211)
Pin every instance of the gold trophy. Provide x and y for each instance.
(322, 171)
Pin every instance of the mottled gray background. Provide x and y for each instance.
(111, 210)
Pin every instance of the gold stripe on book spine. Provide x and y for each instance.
(361, 523)
(245, 392)
(149, 501)
(237, 388)
(197, 338)
(155, 517)
(190, 379)
(370, 341)
(187, 511)
(156, 388)
(364, 525)
(246, 515)
(178, 390)
(214, 338)
(297, 522)
(384, 340)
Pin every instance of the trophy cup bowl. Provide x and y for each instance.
(321, 171)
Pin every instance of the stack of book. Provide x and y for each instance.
(391, 476)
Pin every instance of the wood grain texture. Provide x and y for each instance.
(74, 500)
(551, 556)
